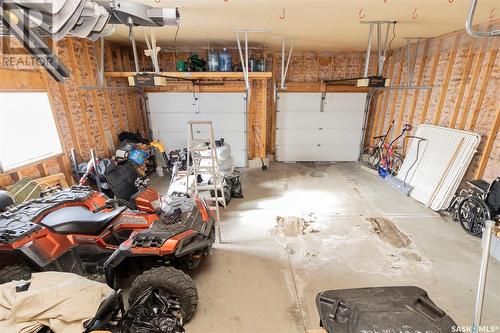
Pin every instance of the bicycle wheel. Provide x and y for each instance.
(472, 213)
(375, 158)
(395, 164)
(371, 156)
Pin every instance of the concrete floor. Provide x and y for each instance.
(259, 280)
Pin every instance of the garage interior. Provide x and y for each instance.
(295, 151)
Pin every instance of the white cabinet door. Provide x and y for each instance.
(170, 113)
(307, 132)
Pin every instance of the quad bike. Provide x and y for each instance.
(81, 231)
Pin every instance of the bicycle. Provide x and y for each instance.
(373, 155)
(392, 161)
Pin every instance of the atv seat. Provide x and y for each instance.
(79, 220)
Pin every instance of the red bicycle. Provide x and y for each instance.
(392, 161)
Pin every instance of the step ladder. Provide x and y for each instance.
(205, 164)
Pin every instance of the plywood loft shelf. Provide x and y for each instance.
(198, 75)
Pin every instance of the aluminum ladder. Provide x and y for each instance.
(205, 164)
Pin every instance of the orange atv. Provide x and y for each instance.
(81, 231)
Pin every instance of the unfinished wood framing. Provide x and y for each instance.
(465, 75)
(82, 116)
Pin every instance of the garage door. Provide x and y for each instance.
(170, 113)
(308, 131)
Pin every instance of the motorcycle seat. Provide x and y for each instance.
(79, 220)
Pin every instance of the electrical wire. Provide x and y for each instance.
(175, 43)
(389, 54)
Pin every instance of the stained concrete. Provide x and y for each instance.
(259, 280)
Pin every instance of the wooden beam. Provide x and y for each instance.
(131, 95)
(95, 100)
(130, 119)
(434, 67)
(376, 116)
(463, 83)
(484, 86)
(446, 81)
(263, 116)
(118, 108)
(396, 92)
(473, 84)
(107, 101)
(387, 94)
(485, 157)
(69, 117)
(78, 80)
(65, 168)
(16, 80)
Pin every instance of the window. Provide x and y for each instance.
(28, 132)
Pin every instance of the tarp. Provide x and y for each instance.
(61, 301)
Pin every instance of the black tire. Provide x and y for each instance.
(396, 163)
(371, 157)
(472, 213)
(15, 273)
(174, 281)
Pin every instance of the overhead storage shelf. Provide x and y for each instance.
(198, 75)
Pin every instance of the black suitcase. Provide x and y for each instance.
(380, 310)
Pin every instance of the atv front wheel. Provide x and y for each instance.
(169, 282)
(15, 273)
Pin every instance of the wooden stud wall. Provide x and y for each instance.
(465, 77)
(85, 118)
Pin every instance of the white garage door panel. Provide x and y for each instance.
(315, 153)
(222, 103)
(177, 140)
(177, 122)
(306, 132)
(299, 102)
(176, 102)
(170, 122)
(318, 119)
(170, 113)
(224, 122)
(345, 102)
(313, 137)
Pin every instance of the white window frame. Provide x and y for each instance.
(40, 101)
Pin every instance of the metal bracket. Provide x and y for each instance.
(411, 62)
(130, 23)
(468, 24)
(323, 99)
(244, 60)
(284, 68)
(152, 49)
(381, 53)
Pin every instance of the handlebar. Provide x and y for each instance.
(114, 203)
